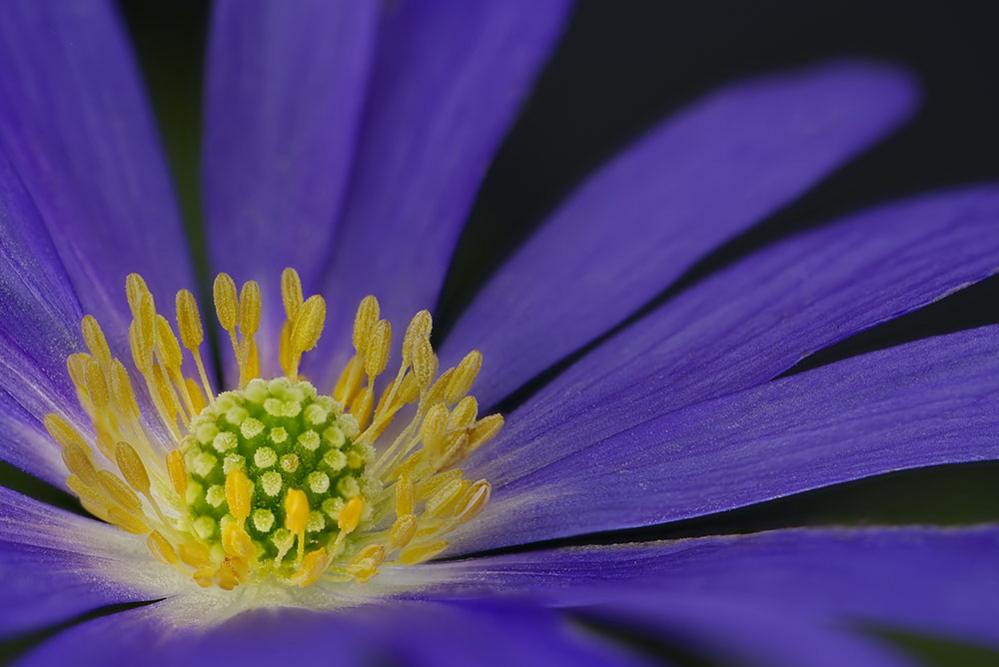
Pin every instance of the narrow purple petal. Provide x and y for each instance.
(942, 582)
(926, 403)
(286, 85)
(38, 329)
(75, 125)
(55, 565)
(754, 320)
(448, 81)
(406, 633)
(747, 631)
(697, 180)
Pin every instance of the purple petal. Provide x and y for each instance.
(75, 125)
(408, 633)
(753, 321)
(942, 582)
(55, 565)
(285, 90)
(747, 631)
(927, 403)
(698, 179)
(38, 330)
(448, 80)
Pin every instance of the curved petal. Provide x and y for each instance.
(754, 320)
(38, 330)
(414, 633)
(76, 127)
(56, 565)
(697, 180)
(926, 403)
(941, 582)
(448, 80)
(748, 631)
(285, 89)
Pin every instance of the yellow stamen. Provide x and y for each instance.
(238, 492)
(253, 473)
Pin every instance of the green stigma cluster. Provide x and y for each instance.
(283, 435)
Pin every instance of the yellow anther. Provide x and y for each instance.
(424, 362)
(177, 471)
(135, 288)
(408, 392)
(226, 301)
(142, 356)
(473, 502)
(93, 336)
(249, 307)
(350, 515)
(62, 431)
(484, 430)
(105, 443)
(464, 376)
(463, 414)
(237, 542)
(238, 492)
(205, 576)
(446, 497)
(296, 509)
(189, 320)
(194, 391)
(422, 552)
(309, 324)
(194, 554)
(78, 462)
(368, 312)
(127, 521)
(377, 348)
(131, 467)
(438, 389)
(433, 428)
(410, 465)
(230, 573)
(86, 492)
(402, 531)
(161, 548)
(147, 322)
(313, 566)
(291, 292)
(432, 485)
(405, 495)
(167, 345)
(119, 491)
(419, 327)
(77, 364)
(97, 387)
(162, 387)
(365, 564)
(350, 380)
(361, 407)
(121, 390)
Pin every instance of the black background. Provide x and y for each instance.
(624, 64)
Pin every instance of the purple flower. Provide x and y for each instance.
(347, 140)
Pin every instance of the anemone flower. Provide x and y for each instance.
(335, 497)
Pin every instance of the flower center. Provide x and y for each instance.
(293, 450)
(273, 480)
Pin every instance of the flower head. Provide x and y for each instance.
(231, 497)
(274, 481)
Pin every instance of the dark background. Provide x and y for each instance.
(624, 64)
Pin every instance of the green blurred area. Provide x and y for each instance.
(169, 39)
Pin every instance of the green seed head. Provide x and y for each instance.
(283, 435)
